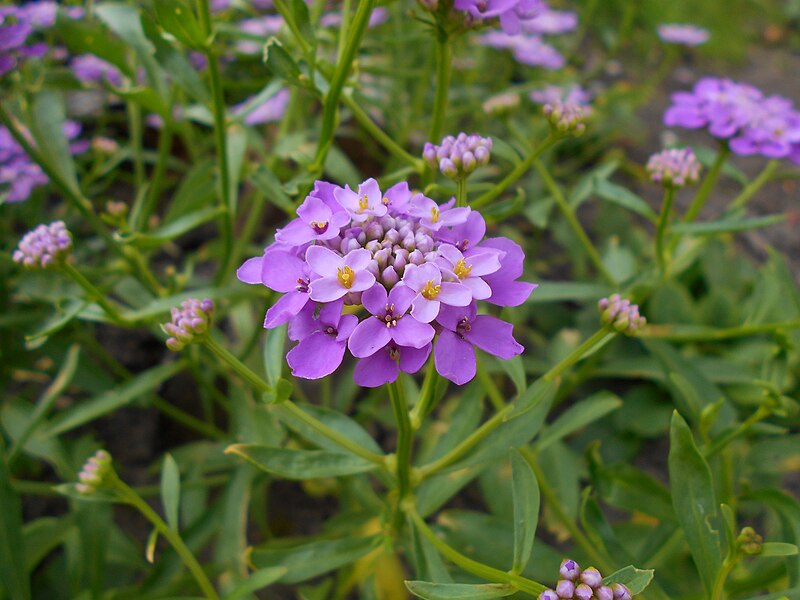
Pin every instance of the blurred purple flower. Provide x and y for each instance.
(44, 246)
(527, 49)
(269, 111)
(683, 34)
(90, 69)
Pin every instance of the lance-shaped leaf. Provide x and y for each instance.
(525, 490)
(635, 579)
(300, 464)
(459, 591)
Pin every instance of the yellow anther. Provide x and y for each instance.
(430, 291)
(363, 203)
(462, 269)
(346, 276)
(434, 215)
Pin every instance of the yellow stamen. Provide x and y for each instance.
(462, 269)
(363, 203)
(434, 215)
(430, 291)
(346, 276)
(385, 201)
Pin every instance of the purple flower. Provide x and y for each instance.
(44, 246)
(269, 111)
(469, 268)
(338, 275)
(625, 318)
(385, 365)
(433, 216)
(463, 328)
(506, 289)
(675, 167)
(192, 319)
(572, 94)
(367, 202)
(90, 69)
(528, 49)
(512, 13)
(551, 22)
(390, 322)
(321, 352)
(457, 157)
(683, 34)
(317, 221)
(431, 292)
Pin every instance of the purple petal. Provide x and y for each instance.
(375, 299)
(304, 323)
(479, 288)
(401, 296)
(331, 313)
(424, 310)
(326, 289)
(358, 259)
(376, 370)
(284, 309)
(296, 233)
(494, 336)
(454, 358)
(281, 270)
(250, 271)
(410, 332)
(363, 280)
(323, 261)
(454, 294)
(368, 337)
(412, 359)
(510, 293)
(347, 325)
(316, 356)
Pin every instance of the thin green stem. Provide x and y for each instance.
(94, 294)
(288, 17)
(444, 69)
(141, 212)
(720, 443)
(461, 191)
(404, 437)
(691, 333)
(173, 537)
(765, 176)
(135, 135)
(486, 572)
(187, 420)
(569, 214)
(718, 591)
(593, 343)
(238, 366)
(707, 186)
(515, 174)
(661, 230)
(426, 398)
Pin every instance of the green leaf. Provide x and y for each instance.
(578, 416)
(727, 225)
(459, 591)
(178, 19)
(112, 399)
(311, 559)
(561, 291)
(694, 501)
(236, 144)
(84, 36)
(635, 579)
(269, 185)
(334, 419)
(525, 490)
(301, 464)
(778, 549)
(44, 535)
(257, 581)
(171, 231)
(47, 126)
(624, 197)
(13, 574)
(101, 496)
(274, 354)
(516, 372)
(280, 62)
(540, 393)
(303, 20)
(171, 490)
(175, 63)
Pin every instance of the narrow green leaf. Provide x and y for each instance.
(459, 591)
(44, 535)
(47, 126)
(635, 579)
(279, 61)
(778, 549)
(578, 416)
(560, 291)
(269, 185)
(112, 399)
(311, 559)
(727, 225)
(257, 581)
(301, 464)
(102, 496)
(171, 231)
(624, 197)
(540, 393)
(178, 19)
(274, 354)
(236, 144)
(12, 549)
(694, 501)
(516, 372)
(171, 490)
(334, 419)
(525, 490)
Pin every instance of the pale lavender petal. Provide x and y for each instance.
(412, 333)
(412, 359)
(417, 276)
(323, 261)
(284, 309)
(314, 210)
(358, 259)
(316, 356)
(250, 271)
(401, 296)
(304, 323)
(374, 371)
(479, 288)
(454, 358)
(347, 325)
(281, 270)
(326, 289)
(494, 336)
(296, 233)
(454, 294)
(484, 261)
(368, 337)
(330, 313)
(375, 299)
(362, 281)
(424, 310)
(511, 293)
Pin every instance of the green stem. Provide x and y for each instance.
(515, 174)
(663, 221)
(704, 192)
(135, 136)
(708, 334)
(486, 572)
(258, 383)
(404, 437)
(426, 396)
(288, 17)
(187, 420)
(750, 190)
(94, 294)
(718, 592)
(141, 213)
(444, 64)
(720, 443)
(593, 343)
(569, 214)
(131, 497)
(343, 66)
(461, 191)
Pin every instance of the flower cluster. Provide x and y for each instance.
(190, 320)
(87, 68)
(586, 584)
(94, 471)
(18, 173)
(675, 167)
(566, 117)
(417, 268)
(684, 35)
(512, 13)
(750, 121)
(457, 157)
(620, 314)
(43, 247)
(571, 94)
(749, 541)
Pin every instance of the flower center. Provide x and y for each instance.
(462, 269)
(302, 285)
(385, 201)
(363, 204)
(389, 318)
(434, 215)
(464, 326)
(431, 290)
(346, 276)
(330, 330)
(394, 354)
(319, 227)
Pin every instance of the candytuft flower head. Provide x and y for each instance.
(45, 246)
(683, 34)
(95, 472)
(566, 117)
(621, 315)
(418, 269)
(457, 157)
(675, 167)
(191, 320)
(587, 584)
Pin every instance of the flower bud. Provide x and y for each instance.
(191, 320)
(620, 314)
(416, 257)
(374, 231)
(468, 162)
(423, 242)
(621, 592)
(565, 589)
(749, 541)
(43, 247)
(389, 277)
(392, 236)
(373, 268)
(569, 570)
(604, 593)
(548, 595)
(674, 167)
(448, 168)
(94, 473)
(592, 577)
(583, 592)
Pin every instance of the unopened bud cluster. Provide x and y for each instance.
(675, 167)
(620, 314)
(191, 320)
(586, 584)
(566, 117)
(749, 541)
(457, 157)
(45, 246)
(94, 472)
